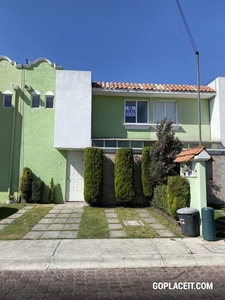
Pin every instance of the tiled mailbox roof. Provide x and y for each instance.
(151, 87)
(188, 154)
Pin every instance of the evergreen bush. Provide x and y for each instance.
(26, 184)
(37, 190)
(146, 173)
(124, 176)
(160, 197)
(93, 175)
(178, 194)
(52, 191)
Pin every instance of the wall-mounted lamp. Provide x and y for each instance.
(15, 87)
(27, 87)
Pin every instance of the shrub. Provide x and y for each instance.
(37, 190)
(93, 175)
(178, 194)
(163, 153)
(146, 173)
(124, 173)
(52, 191)
(26, 184)
(160, 197)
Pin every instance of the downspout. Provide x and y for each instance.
(12, 144)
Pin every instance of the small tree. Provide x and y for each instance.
(124, 176)
(163, 153)
(52, 191)
(37, 191)
(26, 184)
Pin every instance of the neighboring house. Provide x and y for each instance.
(49, 115)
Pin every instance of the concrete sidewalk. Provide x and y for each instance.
(110, 253)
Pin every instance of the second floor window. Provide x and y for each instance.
(7, 101)
(136, 112)
(35, 99)
(165, 110)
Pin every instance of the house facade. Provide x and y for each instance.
(49, 115)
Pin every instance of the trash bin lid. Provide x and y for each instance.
(187, 211)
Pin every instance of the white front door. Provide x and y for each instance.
(75, 176)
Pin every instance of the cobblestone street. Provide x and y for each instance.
(111, 283)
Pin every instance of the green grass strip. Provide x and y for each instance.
(93, 224)
(126, 214)
(19, 227)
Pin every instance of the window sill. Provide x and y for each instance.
(175, 127)
(144, 126)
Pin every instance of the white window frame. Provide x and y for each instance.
(49, 94)
(5, 94)
(136, 125)
(165, 102)
(34, 94)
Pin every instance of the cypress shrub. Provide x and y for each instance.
(52, 191)
(160, 197)
(178, 194)
(93, 175)
(146, 173)
(37, 190)
(26, 184)
(124, 176)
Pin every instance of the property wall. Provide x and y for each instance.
(37, 148)
(108, 119)
(73, 110)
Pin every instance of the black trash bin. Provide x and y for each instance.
(208, 224)
(189, 221)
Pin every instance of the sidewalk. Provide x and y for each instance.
(110, 253)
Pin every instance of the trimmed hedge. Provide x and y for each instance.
(93, 175)
(52, 191)
(146, 173)
(160, 197)
(26, 184)
(178, 194)
(124, 176)
(37, 191)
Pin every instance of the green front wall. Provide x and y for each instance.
(108, 118)
(34, 131)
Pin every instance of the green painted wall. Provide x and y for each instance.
(34, 131)
(108, 118)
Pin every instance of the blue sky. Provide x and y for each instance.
(141, 41)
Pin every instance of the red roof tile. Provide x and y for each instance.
(188, 154)
(151, 87)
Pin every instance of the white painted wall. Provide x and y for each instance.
(217, 110)
(73, 110)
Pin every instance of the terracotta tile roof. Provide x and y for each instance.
(188, 154)
(150, 87)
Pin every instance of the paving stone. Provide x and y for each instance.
(51, 215)
(40, 227)
(71, 227)
(164, 232)
(55, 227)
(62, 215)
(2, 226)
(111, 215)
(133, 223)
(15, 216)
(6, 221)
(45, 221)
(111, 221)
(73, 220)
(68, 234)
(33, 235)
(117, 233)
(75, 215)
(115, 226)
(110, 210)
(51, 235)
(157, 226)
(59, 221)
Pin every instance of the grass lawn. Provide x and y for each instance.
(19, 227)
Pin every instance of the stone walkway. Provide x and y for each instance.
(116, 228)
(11, 218)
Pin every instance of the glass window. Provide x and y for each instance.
(165, 110)
(136, 112)
(110, 144)
(35, 101)
(7, 102)
(123, 144)
(49, 101)
(136, 144)
(97, 143)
